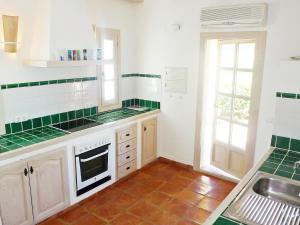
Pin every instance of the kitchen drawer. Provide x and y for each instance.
(126, 169)
(126, 134)
(127, 157)
(127, 146)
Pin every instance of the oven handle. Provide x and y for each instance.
(93, 157)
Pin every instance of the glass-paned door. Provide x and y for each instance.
(235, 71)
(108, 41)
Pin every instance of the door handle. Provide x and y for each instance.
(25, 172)
(145, 128)
(93, 157)
(31, 170)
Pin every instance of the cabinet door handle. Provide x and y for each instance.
(145, 128)
(128, 168)
(31, 170)
(25, 172)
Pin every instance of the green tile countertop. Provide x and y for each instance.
(10, 142)
(279, 162)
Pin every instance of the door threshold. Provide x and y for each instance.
(214, 171)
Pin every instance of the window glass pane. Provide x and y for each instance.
(222, 131)
(224, 106)
(109, 71)
(225, 81)
(108, 49)
(243, 83)
(246, 55)
(241, 110)
(109, 90)
(227, 55)
(239, 136)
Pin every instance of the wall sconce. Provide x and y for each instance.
(10, 30)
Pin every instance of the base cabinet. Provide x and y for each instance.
(149, 141)
(48, 179)
(33, 190)
(15, 199)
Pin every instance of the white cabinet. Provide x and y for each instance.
(48, 179)
(15, 199)
(149, 136)
(34, 190)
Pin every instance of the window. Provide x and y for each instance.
(108, 41)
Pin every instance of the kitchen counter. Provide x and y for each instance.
(23, 142)
(276, 161)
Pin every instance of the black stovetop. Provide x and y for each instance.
(76, 125)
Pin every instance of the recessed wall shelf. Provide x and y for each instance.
(56, 63)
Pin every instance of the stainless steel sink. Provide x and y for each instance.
(267, 200)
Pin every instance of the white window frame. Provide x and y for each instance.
(114, 34)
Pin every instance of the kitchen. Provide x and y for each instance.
(143, 112)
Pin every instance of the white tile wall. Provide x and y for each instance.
(49, 99)
(148, 88)
(287, 118)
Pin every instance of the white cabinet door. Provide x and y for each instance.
(15, 202)
(149, 141)
(49, 184)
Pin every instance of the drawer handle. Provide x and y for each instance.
(127, 157)
(127, 146)
(128, 168)
(127, 135)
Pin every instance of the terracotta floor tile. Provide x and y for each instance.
(52, 222)
(144, 210)
(125, 200)
(208, 204)
(217, 194)
(187, 222)
(178, 208)
(199, 188)
(127, 219)
(139, 190)
(73, 215)
(171, 189)
(165, 218)
(190, 174)
(158, 198)
(198, 215)
(108, 211)
(178, 180)
(162, 193)
(89, 220)
(189, 197)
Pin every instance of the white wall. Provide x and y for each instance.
(43, 31)
(159, 47)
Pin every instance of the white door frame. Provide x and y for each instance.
(260, 37)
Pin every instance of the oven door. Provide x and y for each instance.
(92, 166)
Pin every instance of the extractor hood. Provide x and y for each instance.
(58, 26)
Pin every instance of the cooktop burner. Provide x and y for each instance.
(76, 125)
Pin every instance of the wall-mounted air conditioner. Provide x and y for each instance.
(247, 15)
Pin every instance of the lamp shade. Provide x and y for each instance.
(10, 29)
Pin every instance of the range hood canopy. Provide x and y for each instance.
(58, 26)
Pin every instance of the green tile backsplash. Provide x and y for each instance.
(49, 82)
(285, 143)
(141, 75)
(141, 102)
(49, 120)
(287, 95)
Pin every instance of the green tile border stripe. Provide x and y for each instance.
(141, 102)
(142, 75)
(12, 128)
(48, 82)
(285, 143)
(287, 95)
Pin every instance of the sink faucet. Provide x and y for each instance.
(296, 165)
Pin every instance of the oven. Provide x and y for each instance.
(93, 165)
